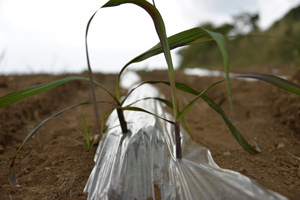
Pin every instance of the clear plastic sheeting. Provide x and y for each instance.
(129, 79)
(134, 165)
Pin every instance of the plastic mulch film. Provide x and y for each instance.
(141, 164)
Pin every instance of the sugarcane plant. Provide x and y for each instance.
(188, 37)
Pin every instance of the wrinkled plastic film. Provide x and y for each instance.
(132, 165)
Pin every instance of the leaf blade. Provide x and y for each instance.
(178, 40)
(161, 32)
(12, 171)
(28, 92)
(164, 101)
(235, 132)
(187, 108)
(137, 109)
(273, 80)
(219, 39)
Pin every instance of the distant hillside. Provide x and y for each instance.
(281, 50)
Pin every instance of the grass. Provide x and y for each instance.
(87, 145)
(166, 44)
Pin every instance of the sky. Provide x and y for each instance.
(47, 36)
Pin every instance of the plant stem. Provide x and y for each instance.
(122, 121)
(178, 140)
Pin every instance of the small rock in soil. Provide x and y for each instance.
(226, 153)
(280, 146)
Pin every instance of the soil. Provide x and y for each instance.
(53, 167)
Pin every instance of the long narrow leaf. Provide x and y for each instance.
(187, 108)
(91, 73)
(274, 80)
(170, 105)
(146, 82)
(235, 132)
(25, 93)
(12, 178)
(184, 38)
(161, 32)
(180, 86)
(177, 40)
(186, 127)
(165, 101)
(87, 137)
(222, 46)
(103, 120)
(144, 111)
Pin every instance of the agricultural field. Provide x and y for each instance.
(250, 126)
(52, 166)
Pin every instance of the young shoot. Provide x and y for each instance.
(87, 144)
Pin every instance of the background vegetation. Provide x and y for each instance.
(275, 47)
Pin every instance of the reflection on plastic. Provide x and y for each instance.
(128, 166)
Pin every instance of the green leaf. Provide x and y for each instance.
(222, 46)
(235, 132)
(177, 40)
(33, 132)
(274, 80)
(146, 82)
(184, 38)
(91, 74)
(104, 118)
(144, 111)
(165, 101)
(25, 93)
(12, 179)
(187, 128)
(161, 32)
(170, 105)
(187, 108)
(87, 138)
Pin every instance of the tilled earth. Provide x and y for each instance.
(53, 167)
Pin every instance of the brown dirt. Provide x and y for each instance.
(52, 167)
